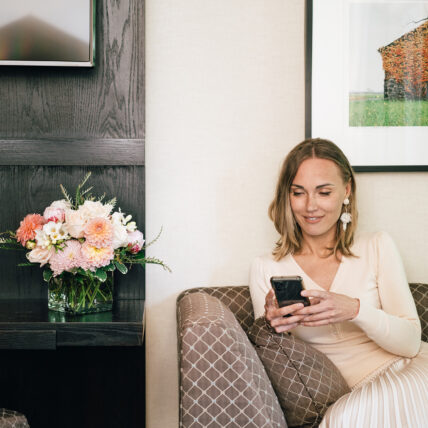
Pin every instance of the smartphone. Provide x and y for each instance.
(287, 290)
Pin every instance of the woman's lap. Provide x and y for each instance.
(397, 398)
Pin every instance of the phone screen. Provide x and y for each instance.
(287, 290)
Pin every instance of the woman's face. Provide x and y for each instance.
(316, 196)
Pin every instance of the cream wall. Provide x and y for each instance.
(224, 104)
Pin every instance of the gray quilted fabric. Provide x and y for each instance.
(420, 294)
(306, 382)
(12, 419)
(222, 381)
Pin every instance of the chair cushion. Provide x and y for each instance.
(306, 382)
(12, 419)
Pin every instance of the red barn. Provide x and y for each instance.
(405, 62)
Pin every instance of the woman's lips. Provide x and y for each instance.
(313, 219)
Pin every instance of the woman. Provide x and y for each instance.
(362, 314)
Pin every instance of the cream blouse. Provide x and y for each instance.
(387, 326)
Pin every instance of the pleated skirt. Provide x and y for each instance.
(396, 398)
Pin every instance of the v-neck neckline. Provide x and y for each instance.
(333, 283)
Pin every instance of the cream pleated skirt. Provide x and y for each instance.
(396, 398)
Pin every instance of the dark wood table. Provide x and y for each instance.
(67, 372)
(28, 324)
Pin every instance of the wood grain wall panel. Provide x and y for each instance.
(57, 123)
(67, 151)
(104, 102)
(30, 189)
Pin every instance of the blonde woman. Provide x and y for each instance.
(362, 314)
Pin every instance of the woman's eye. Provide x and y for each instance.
(297, 193)
(325, 193)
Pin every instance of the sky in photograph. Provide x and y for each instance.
(71, 16)
(371, 26)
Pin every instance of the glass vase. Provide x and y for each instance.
(76, 294)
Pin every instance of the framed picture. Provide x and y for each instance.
(367, 80)
(47, 33)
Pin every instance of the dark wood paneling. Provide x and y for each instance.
(75, 388)
(28, 339)
(30, 189)
(66, 151)
(104, 102)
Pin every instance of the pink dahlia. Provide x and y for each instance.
(97, 257)
(99, 232)
(68, 258)
(28, 226)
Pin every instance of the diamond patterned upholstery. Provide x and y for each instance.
(12, 419)
(220, 373)
(420, 294)
(222, 381)
(236, 298)
(304, 379)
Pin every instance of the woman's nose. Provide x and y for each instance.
(311, 204)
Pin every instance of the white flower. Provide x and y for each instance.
(120, 235)
(75, 223)
(40, 255)
(131, 227)
(42, 239)
(55, 231)
(91, 209)
(118, 218)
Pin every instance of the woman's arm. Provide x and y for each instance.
(396, 326)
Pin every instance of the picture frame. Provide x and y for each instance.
(355, 92)
(59, 33)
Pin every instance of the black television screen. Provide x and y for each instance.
(47, 32)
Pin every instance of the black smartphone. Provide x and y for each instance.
(287, 290)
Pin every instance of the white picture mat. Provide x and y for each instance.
(364, 146)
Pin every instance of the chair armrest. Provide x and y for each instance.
(222, 381)
(420, 294)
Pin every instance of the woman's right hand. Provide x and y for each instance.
(275, 315)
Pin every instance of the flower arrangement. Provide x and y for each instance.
(79, 243)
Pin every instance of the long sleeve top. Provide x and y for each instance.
(387, 326)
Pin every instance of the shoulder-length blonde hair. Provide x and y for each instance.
(280, 211)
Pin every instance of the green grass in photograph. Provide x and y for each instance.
(370, 109)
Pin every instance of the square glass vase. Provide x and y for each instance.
(78, 295)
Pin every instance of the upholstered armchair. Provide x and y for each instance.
(222, 380)
(12, 419)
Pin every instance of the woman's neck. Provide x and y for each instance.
(318, 246)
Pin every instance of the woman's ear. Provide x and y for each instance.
(348, 189)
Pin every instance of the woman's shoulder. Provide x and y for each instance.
(371, 241)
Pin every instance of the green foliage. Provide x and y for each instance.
(121, 267)
(374, 110)
(47, 275)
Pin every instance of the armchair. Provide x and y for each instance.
(222, 381)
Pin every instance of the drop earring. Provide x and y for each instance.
(346, 217)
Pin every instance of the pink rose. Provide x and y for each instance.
(54, 214)
(135, 241)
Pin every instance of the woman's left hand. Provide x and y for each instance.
(327, 308)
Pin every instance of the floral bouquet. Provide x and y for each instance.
(79, 243)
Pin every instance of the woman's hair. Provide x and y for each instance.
(280, 211)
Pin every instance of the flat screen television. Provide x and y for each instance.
(47, 32)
